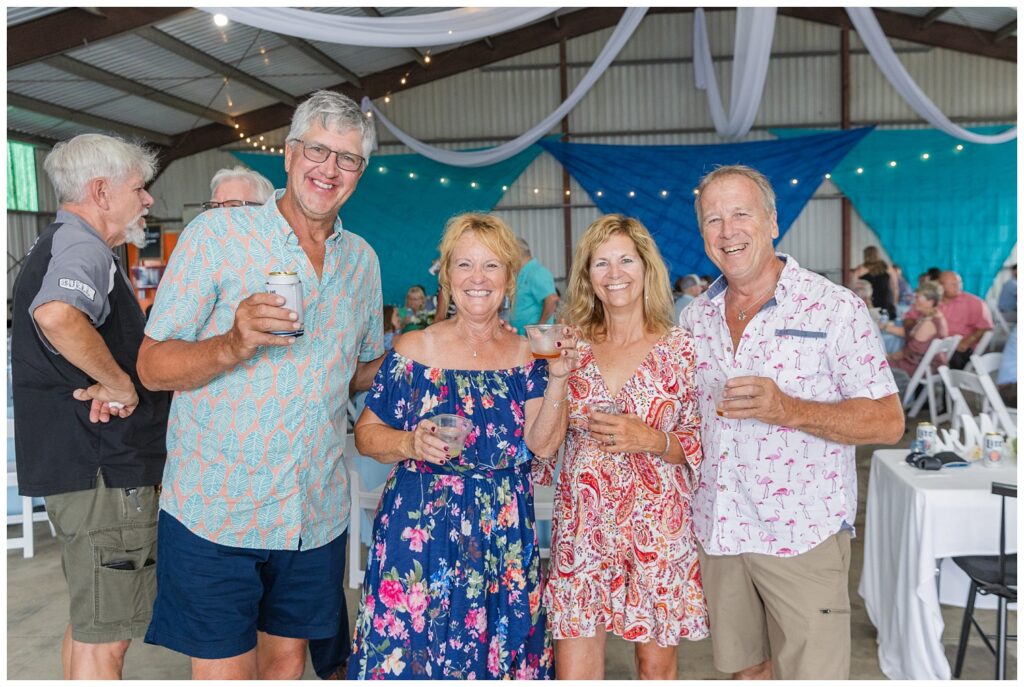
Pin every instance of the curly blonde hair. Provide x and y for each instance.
(585, 310)
(493, 233)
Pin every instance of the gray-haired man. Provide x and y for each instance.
(238, 186)
(89, 437)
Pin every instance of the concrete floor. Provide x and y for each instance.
(37, 613)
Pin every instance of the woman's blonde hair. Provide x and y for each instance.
(494, 234)
(585, 310)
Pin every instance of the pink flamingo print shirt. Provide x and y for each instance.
(765, 488)
(254, 457)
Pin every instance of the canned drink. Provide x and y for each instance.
(287, 284)
(927, 433)
(993, 449)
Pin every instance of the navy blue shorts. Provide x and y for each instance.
(211, 599)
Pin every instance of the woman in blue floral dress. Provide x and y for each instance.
(453, 584)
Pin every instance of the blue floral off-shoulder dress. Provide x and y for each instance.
(453, 584)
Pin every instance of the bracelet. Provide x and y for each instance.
(668, 445)
(555, 404)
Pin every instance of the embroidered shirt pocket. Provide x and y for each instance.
(799, 362)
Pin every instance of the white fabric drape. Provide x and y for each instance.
(878, 45)
(479, 158)
(755, 27)
(414, 31)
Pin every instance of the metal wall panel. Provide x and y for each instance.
(22, 230)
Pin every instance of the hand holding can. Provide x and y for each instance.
(288, 286)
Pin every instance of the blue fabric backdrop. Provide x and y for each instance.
(662, 179)
(402, 204)
(955, 209)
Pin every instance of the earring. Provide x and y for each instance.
(507, 303)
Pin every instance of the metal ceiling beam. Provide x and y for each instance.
(933, 16)
(91, 73)
(377, 85)
(906, 27)
(186, 51)
(79, 117)
(315, 54)
(414, 53)
(1005, 31)
(74, 28)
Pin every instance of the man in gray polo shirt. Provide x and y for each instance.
(89, 438)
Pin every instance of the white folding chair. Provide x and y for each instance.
(956, 383)
(998, 319)
(987, 364)
(362, 500)
(923, 376)
(1005, 417)
(983, 343)
(27, 517)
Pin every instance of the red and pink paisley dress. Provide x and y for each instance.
(623, 549)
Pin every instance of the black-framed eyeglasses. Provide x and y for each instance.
(314, 152)
(213, 204)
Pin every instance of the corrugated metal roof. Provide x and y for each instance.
(35, 124)
(143, 113)
(984, 18)
(20, 15)
(51, 85)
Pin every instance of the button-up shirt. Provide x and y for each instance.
(254, 457)
(767, 488)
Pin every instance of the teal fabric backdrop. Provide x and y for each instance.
(402, 204)
(954, 209)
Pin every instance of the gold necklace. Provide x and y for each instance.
(742, 315)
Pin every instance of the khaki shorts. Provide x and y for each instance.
(108, 553)
(794, 611)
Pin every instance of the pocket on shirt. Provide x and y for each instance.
(799, 362)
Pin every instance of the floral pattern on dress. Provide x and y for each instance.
(623, 549)
(453, 582)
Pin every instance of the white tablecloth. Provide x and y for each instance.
(913, 518)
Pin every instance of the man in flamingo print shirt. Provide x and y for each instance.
(795, 368)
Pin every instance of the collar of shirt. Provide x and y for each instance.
(70, 218)
(272, 213)
(716, 292)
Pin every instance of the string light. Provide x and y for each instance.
(241, 135)
(925, 156)
(402, 81)
(473, 184)
(426, 59)
(444, 180)
(892, 163)
(264, 147)
(567, 192)
(536, 191)
(828, 175)
(860, 170)
(664, 193)
(387, 99)
(959, 147)
(248, 140)
(236, 126)
(599, 194)
(261, 138)
(412, 175)
(504, 188)
(794, 182)
(632, 194)
(220, 20)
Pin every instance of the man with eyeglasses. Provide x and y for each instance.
(255, 504)
(235, 187)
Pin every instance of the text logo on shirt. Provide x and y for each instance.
(76, 285)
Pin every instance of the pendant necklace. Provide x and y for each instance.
(742, 314)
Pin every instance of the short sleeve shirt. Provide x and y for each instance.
(254, 457)
(533, 284)
(766, 488)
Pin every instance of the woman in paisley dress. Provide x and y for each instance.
(623, 550)
(453, 583)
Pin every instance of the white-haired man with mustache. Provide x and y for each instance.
(89, 438)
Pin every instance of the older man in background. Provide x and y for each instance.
(233, 187)
(690, 286)
(536, 297)
(89, 437)
(255, 506)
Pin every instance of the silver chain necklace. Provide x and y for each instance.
(742, 315)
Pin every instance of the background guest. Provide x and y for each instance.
(536, 296)
(884, 283)
(411, 314)
(1007, 303)
(691, 286)
(392, 326)
(237, 187)
(623, 553)
(929, 324)
(906, 291)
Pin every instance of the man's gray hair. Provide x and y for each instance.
(72, 164)
(760, 180)
(691, 280)
(524, 246)
(334, 112)
(863, 288)
(259, 183)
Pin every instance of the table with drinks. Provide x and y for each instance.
(914, 519)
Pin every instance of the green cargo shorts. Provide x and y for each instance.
(108, 554)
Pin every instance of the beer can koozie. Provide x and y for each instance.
(993, 450)
(287, 284)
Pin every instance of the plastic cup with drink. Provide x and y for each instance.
(542, 338)
(453, 430)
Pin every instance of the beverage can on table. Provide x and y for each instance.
(287, 284)
(927, 433)
(993, 449)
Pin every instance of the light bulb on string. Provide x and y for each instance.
(959, 147)
(925, 156)
(220, 20)
(664, 193)
(599, 194)
(892, 163)
(632, 194)
(387, 99)
(473, 184)
(412, 175)
(860, 170)
(536, 191)
(794, 182)
(504, 188)
(828, 175)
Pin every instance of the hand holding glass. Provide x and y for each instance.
(453, 430)
(543, 339)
